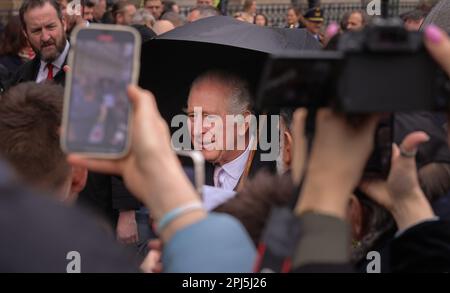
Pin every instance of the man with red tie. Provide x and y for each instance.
(44, 27)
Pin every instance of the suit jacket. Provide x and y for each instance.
(107, 195)
(4, 75)
(11, 62)
(29, 72)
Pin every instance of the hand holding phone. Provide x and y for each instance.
(193, 164)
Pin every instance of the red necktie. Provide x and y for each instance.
(50, 71)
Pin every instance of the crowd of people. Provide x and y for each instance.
(141, 213)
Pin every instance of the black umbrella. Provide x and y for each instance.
(173, 60)
(439, 15)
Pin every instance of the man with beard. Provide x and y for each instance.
(44, 26)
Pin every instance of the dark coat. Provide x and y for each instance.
(107, 195)
(29, 72)
(423, 248)
(4, 76)
(11, 62)
(41, 233)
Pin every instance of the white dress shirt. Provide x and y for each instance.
(57, 65)
(227, 176)
(214, 197)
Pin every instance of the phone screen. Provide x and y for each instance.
(98, 111)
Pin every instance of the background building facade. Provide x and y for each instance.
(275, 9)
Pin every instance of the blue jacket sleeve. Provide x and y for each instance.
(217, 244)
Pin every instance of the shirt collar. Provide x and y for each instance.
(59, 62)
(236, 167)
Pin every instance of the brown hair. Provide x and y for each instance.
(30, 4)
(253, 204)
(248, 4)
(13, 39)
(120, 7)
(434, 179)
(30, 117)
(299, 13)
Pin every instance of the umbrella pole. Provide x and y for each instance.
(223, 7)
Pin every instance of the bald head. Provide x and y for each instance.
(162, 26)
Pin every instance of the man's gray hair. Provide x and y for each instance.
(96, 2)
(366, 19)
(239, 98)
(143, 16)
(206, 11)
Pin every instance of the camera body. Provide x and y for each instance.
(383, 68)
(387, 69)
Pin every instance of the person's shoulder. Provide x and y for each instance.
(4, 72)
(30, 64)
(26, 72)
(42, 233)
(145, 32)
(422, 248)
(439, 227)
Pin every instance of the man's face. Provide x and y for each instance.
(204, 2)
(176, 8)
(413, 25)
(126, 17)
(100, 9)
(63, 5)
(355, 22)
(292, 18)
(155, 7)
(260, 20)
(314, 27)
(130, 11)
(88, 13)
(253, 8)
(193, 16)
(210, 137)
(45, 32)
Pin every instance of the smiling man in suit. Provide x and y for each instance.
(221, 95)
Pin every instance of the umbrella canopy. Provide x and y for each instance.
(223, 30)
(439, 15)
(173, 60)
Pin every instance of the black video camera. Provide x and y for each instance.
(383, 68)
